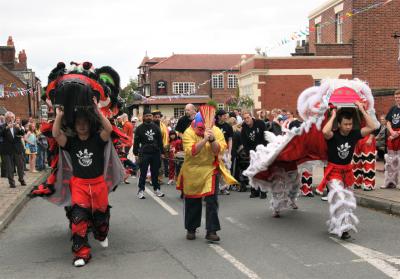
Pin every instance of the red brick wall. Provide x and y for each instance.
(199, 77)
(334, 50)
(329, 30)
(375, 51)
(383, 104)
(18, 105)
(171, 76)
(282, 91)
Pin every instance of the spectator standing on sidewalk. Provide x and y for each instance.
(392, 158)
(381, 138)
(13, 149)
(42, 149)
(31, 146)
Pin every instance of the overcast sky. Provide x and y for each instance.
(119, 32)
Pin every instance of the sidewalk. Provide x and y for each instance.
(13, 199)
(387, 200)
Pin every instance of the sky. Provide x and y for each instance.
(118, 33)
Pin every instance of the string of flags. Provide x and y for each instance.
(15, 92)
(306, 30)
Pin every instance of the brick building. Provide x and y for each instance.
(367, 37)
(16, 77)
(356, 44)
(169, 83)
(275, 82)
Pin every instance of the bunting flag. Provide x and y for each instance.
(17, 92)
(302, 33)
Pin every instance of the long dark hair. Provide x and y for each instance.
(91, 116)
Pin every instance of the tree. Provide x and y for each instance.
(128, 90)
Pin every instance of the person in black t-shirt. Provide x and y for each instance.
(185, 121)
(338, 174)
(252, 134)
(89, 192)
(392, 158)
(220, 121)
(147, 148)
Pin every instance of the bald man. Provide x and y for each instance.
(185, 121)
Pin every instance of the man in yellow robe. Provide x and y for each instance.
(199, 176)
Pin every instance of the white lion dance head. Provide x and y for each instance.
(312, 105)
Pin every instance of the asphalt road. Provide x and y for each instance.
(147, 240)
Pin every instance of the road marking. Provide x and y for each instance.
(377, 259)
(237, 223)
(241, 267)
(162, 203)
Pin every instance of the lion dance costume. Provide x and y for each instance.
(272, 167)
(85, 200)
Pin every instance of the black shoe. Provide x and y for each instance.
(345, 236)
(23, 183)
(12, 186)
(212, 236)
(310, 195)
(191, 235)
(263, 195)
(254, 193)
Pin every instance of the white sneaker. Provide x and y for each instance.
(104, 243)
(325, 198)
(159, 193)
(170, 182)
(140, 195)
(79, 262)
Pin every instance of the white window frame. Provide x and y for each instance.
(183, 88)
(339, 28)
(218, 81)
(318, 33)
(232, 81)
(178, 112)
(220, 106)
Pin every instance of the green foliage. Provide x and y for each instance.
(127, 91)
(213, 103)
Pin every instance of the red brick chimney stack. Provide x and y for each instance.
(22, 59)
(10, 41)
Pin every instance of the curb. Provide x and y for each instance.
(379, 204)
(15, 208)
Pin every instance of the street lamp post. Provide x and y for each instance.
(28, 79)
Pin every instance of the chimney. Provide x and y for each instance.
(10, 41)
(22, 59)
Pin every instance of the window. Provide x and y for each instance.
(178, 112)
(220, 106)
(317, 82)
(183, 88)
(218, 81)
(318, 34)
(232, 81)
(339, 28)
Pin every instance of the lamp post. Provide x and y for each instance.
(28, 79)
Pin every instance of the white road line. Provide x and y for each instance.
(162, 203)
(379, 260)
(241, 267)
(237, 223)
